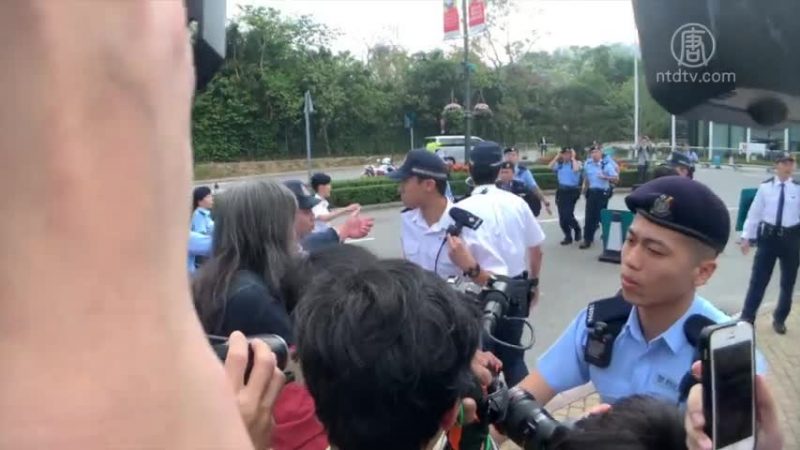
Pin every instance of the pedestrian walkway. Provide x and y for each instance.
(783, 357)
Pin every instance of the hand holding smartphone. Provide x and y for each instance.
(728, 358)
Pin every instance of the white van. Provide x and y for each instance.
(451, 145)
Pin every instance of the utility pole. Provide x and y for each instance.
(467, 91)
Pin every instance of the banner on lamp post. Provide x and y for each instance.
(477, 16)
(452, 24)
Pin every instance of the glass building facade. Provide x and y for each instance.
(727, 136)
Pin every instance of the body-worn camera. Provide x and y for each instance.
(516, 413)
(273, 341)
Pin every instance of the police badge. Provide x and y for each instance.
(662, 207)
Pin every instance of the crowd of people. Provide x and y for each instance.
(105, 340)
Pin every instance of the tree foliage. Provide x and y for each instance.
(253, 109)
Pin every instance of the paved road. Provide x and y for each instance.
(343, 173)
(571, 277)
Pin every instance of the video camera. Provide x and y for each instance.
(273, 341)
(494, 299)
(517, 414)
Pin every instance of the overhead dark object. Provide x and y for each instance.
(209, 38)
(731, 61)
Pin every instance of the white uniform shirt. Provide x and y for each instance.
(509, 228)
(421, 243)
(320, 210)
(765, 207)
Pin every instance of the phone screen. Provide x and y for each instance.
(733, 393)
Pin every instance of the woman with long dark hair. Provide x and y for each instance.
(240, 285)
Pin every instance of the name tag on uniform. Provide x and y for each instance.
(667, 383)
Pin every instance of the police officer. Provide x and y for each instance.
(514, 236)
(599, 176)
(682, 164)
(533, 197)
(679, 230)
(774, 222)
(521, 173)
(568, 171)
(423, 188)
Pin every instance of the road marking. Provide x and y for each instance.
(357, 241)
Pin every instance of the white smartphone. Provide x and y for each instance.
(728, 385)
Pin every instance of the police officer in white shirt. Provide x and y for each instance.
(423, 178)
(773, 221)
(514, 241)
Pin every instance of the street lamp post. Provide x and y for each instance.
(467, 91)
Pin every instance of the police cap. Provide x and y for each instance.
(680, 159)
(304, 195)
(485, 154)
(686, 206)
(421, 163)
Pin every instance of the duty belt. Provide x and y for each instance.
(768, 229)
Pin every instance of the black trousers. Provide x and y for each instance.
(596, 201)
(566, 198)
(786, 250)
(642, 171)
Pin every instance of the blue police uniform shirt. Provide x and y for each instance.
(202, 222)
(637, 367)
(593, 171)
(526, 176)
(199, 245)
(567, 176)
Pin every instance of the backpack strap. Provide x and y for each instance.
(604, 321)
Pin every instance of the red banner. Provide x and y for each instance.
(477, 16)
(452, 30)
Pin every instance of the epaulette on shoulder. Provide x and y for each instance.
(768, 180)
(405, 210)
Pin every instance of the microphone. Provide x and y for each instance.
(692, 328)
(463, 218)
(495, 307)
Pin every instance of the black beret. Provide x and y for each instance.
(420, 163)
(686, 206)
(507, 165)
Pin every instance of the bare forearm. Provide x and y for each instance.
(98, 293)
(535, 261)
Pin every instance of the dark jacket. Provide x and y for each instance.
(253, 308)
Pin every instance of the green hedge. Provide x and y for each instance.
(538, 171)
(371, 191)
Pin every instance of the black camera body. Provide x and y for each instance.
(516, 413)
(273, 341)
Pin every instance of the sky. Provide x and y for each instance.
(416, 25)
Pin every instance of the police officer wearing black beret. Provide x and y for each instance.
(534, 197)
(682, 164)
(671, 249)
